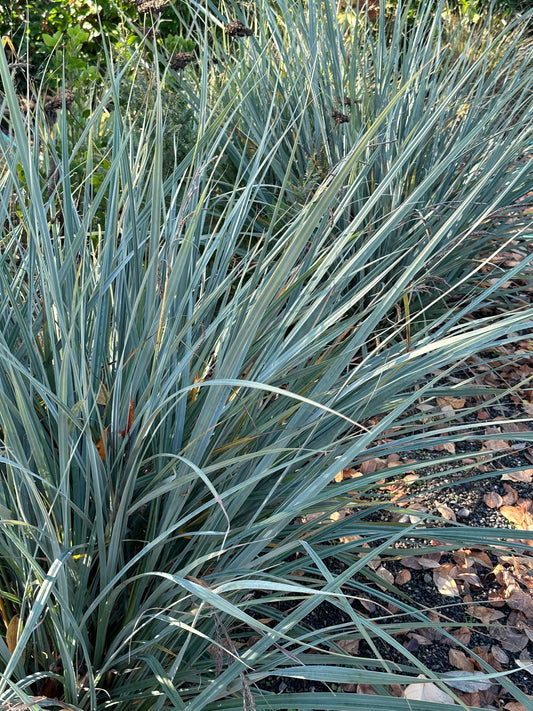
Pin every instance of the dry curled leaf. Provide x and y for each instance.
(511, 495)
(517, 706)
(463, 635)
(455, 402)
(430, 561)
(385, 575)
(445, 447)
(499, 654)
(509, 640)
(493, 500)
(444, 579)
(496, 445)
(519, 515)
(522, 601)
(371, 465)
(427, 691)
(404, 576)
(350, 646)
(459, 660)
(524, 475)
(446, 512)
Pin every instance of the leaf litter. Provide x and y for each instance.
(490, 591)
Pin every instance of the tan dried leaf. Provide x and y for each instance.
(510, 641)
(445, 447)
(514, 514)
(525, 664)
(511, 495)
(470, 578)
(493, 500)
(410, 478)
(485, 614)
(404, 576)
(422, 641)
(446, 512)
(517, 706)
(427, 691)
(459, 660)
(385, 575)
(366, 689)
(350, 646)
(455, 402)
(338, 515)
(351, 473)
(102, 397)
(444, 579)
(496, 445)
(522, 601)
(412, 562)
(463, 635)
(368, 467)
(429, 562)
(480, 557)
(499, 654)
(524, 475)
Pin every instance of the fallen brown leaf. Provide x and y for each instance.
(516, 706)
(510, 641)
(350, 646)
(366, 689)
(459, 660)
(445, 447)
(403, 576)
(499, 654)
(455, 402)
(493, 500)
(427, 692)
(522, 601)
(444, 579)
(524, 475)
(385, 575)
(511, 495)
(446, 512)
(496, 445)
(430, 561)
(463, 635)
(485, 614)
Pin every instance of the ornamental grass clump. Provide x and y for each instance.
(186, 365)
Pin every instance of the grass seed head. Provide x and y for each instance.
(345, 101)
(52, 104)
(339, 117)
(150, 5)
(181, 59)
(237, 29)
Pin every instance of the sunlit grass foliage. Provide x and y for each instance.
(187, 360)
